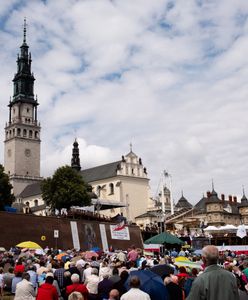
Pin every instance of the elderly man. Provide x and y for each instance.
(91, 283)
(76, 286)
(114, 295)
(25, 289)
(135, 293)
(214, 283)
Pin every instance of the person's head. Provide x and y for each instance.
(75, 278)
(134, 282)
(1, 270)
(94, 271)
(26, 276)
(115, 271)
(49, 279)
(182, 269)
(114, 294)
(76, 296)
(124, 275)
(210, 255)
(61, 264)
(11, 270)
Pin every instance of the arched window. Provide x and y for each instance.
(24, 132)
(30, 133)
(27, 203)
(35, 202)
(18, 131)
(36, 134)
(111, 188)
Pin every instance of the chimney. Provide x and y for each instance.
(208, 194)
(230, 199)
(235, 199)
(222, 197)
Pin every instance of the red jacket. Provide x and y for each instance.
(47, 292)
(77, 287)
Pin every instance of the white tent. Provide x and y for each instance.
(211, 228)
(228, 227)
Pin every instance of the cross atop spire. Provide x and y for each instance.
(24, 30)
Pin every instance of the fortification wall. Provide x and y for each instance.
(72, 233)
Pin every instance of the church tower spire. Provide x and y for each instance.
(22, 132)
(75, 160)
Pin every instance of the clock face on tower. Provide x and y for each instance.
(27, 152)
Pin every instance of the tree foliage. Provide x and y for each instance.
(6, 196)
(65, 188)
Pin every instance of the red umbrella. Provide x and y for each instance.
(90, 254)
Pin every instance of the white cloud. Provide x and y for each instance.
(168, 76)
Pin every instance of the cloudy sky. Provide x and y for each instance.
(171, 77)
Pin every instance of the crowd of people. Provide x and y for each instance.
(27, 275)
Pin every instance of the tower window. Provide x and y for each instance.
(111, 188)
(36, 134)
(18, 131)
(24, 132)
(27, 110)
(30, 133)
(35, 202)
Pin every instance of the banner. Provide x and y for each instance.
(103, 234)
(75, 237)
(119, 232)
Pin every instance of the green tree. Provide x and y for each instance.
(6, 196)
(65, 188)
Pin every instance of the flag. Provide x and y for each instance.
(241, 232)
(120, 226)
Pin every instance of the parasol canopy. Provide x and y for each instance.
(29, 245)
(164, 238)
(90, 254)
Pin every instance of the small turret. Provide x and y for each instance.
(75, 160)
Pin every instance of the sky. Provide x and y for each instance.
(170, 77)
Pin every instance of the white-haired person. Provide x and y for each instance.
(215, 283)
(91, 283)
(76, 296)
(76, 286)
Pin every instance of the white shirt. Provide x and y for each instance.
(135, 294)
(91, 283)
(86, 273)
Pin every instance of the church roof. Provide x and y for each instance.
(213, 198)
(201, 205)
(244, 201)
(31, 190)
(183, 203)
(100, 172)
(147, 214)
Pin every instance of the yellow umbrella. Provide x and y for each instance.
(181, 259)
(29, 245)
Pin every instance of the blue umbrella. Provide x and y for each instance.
(152, 284)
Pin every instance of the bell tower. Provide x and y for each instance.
(22, 131)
